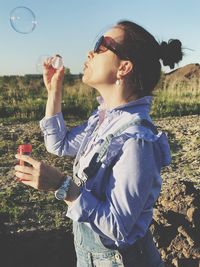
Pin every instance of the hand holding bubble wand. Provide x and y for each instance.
(56, 62)
(53, 73)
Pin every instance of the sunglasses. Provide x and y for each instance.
(106, 43)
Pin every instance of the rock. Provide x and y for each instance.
(186, 235)
(175, 262)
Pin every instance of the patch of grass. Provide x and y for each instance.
(25, 100)
(176, 99)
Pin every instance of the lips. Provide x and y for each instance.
(85, 66)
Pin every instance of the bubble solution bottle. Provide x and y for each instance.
(24, 149)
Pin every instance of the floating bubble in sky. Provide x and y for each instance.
(22, 19)
(56, 62)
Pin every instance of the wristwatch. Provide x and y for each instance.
(62, 191)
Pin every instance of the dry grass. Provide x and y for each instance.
(22, 99)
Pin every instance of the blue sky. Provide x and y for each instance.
(69, 28)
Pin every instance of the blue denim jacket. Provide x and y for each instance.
(117, 203)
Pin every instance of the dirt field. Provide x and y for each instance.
(34, 231)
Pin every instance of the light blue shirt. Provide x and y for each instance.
(117, 203)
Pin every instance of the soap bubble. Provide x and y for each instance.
(23, 20)
(56, 62)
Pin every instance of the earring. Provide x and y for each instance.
(117, 82)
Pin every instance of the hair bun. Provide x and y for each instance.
(171, 52)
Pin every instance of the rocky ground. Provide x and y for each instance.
(35, 233)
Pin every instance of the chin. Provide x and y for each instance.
(85, 80)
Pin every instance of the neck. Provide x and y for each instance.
(115, 97)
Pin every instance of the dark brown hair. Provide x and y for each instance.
(145, 52)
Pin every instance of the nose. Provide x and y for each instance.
(90, 54)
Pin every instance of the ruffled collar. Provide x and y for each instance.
(146, 100)
(140, 105)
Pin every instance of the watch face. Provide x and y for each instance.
(60, 194)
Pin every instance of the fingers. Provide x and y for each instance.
(28, 182)
(30, 175)
(47, 62)
(23, 176)
(47, 67)
(28, 159)
(24, 169)
(60, 73)
(50, 73)
(23, 173)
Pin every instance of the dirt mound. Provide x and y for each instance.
(186, 73)
(176, 225)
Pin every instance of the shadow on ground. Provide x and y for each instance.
(37, 249)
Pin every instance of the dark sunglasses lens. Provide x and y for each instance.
(98, 44)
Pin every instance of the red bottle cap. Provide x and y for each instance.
(25, 148)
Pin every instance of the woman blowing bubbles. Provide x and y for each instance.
(119, 153)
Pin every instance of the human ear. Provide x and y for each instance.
(125, 68)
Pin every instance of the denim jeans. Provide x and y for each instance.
(91, 252)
